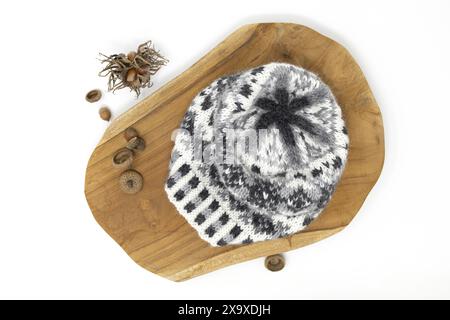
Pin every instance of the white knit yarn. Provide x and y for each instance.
(282, 187)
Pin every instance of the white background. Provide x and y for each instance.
(50, 245)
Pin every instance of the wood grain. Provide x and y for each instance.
(148, 227)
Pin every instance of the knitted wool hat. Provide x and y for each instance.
(233, 196)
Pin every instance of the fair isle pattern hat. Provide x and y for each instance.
(234, 196)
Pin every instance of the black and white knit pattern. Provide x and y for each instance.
(281, 188)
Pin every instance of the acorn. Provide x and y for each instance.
(104, 113)
(131, 181)
(136, 143)
(93, 95)
(130, 133)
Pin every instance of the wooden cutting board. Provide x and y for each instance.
(148, 227)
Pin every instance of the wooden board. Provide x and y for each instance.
(148, 227)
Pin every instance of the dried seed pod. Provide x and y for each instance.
(93, 95)
(131, 181)
(275, 262)
(130, 133)
(136, 143)
(123, 158)
(145, 63)
(104, 113)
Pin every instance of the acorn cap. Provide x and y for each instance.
(93, 95)
(275, 262)
(136, 143)
(131, 181)
(123, 158)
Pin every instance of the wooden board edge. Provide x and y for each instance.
(270, 247)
